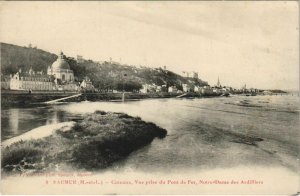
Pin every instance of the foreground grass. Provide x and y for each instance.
(96, 142)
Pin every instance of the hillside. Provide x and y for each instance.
(103, 75)
(14, 57)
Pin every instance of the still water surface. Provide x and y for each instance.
(202, 133)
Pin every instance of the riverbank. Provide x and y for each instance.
(23, 98)
(95, 142)
(37, 133)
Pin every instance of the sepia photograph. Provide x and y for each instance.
(150, 97)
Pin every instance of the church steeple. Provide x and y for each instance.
(218, 83)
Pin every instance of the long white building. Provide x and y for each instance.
(59, 77)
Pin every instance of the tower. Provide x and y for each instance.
(218, 83)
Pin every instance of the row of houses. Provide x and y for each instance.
(148, 88)
(217, 89)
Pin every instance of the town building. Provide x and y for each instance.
(60, 69)
(144, 88)
(196, 89)
(148, 88)
(87, 84)
(172, 89)
(31, 81)
(206, 90)
(190, 74)
(159, 89)
(186, 88)
(216, 90)
(79, 59)
(59, 77)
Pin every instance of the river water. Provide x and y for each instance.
(203, 133)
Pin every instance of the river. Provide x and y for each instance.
(203, 133)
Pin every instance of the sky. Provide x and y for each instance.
(252, 43)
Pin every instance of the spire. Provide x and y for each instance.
(219, 84)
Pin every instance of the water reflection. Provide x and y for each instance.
(15, 121)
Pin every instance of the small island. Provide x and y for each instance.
(94, 142)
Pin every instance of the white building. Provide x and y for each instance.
(87, 84)
(172, 89)
(146, 88)
(79, 59)
(186, 87)
(190, 74)
(59, 77)
(196, 89)
(31, 81)
(60, 69)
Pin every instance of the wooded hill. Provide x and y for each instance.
(104, 75)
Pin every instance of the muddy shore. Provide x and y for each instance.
(95, 142)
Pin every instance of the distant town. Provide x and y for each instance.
(60, 77)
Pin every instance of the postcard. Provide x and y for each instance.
(149, 97)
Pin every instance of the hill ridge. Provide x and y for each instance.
(104, 75)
